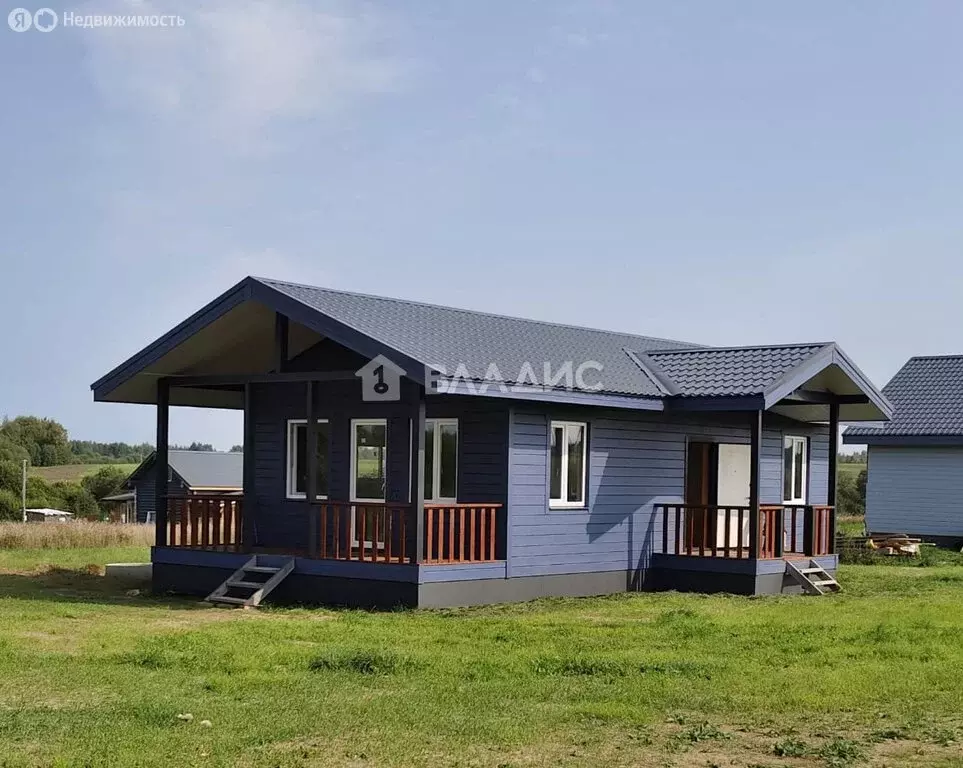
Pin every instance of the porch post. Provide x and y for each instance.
(417, 485)
(161, 461)
(248, 482)
(831, 491)
(755, 451)
(311, 457)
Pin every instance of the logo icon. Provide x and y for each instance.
(380, 380)
(20, 19)
(45, 20)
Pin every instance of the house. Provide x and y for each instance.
(915, 461)
(518, 459)
(190, 474)
(122, 507)
(46, 515)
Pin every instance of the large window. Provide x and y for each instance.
(369, 459)
(297, 482)
(795, 459)
(441, 460)
(567, 471)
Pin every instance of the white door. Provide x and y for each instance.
(734, 466)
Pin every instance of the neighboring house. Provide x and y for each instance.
(914, 481)
(121, 507)
(45, 515)
(633, 462)
(190, 474)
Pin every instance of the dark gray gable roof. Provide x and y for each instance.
(202, 469)
(447, 337)
(927, 396)
(728, 372)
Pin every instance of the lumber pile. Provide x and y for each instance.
(898, 544)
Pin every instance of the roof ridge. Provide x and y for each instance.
(498, 315)
(958, 356)
(737, 348)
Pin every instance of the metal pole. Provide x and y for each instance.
(23, 491)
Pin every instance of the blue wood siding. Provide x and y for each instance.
(281, 522)
(915, 490)
(144, 484)
(635, 462)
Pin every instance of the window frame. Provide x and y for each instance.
(436, 459)
(794, 440)
(353, 464)
(290, 483)
(563, 503)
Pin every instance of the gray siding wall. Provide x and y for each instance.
(635, 462)
(144, 485)
(915, 490)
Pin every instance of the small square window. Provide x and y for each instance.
(567, 458)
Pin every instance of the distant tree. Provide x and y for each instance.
(82, 504)
(237, 449)
(11, 451)
(10, 476)
(10, 505)
(849, 501)
(45, 440)
(193, 447)
(104, 481)
(861, 485)
(40, 494)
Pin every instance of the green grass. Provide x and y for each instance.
(850, 468)
(92, 676)
(72, 473)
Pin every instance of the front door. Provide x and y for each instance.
(733, 491)
(369, 463)
(700, 478)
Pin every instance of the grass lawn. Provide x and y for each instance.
(92, 676)
(850, 468)
(74, 472)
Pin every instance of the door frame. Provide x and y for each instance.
(352, 488)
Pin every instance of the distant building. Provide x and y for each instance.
(45, 515)
(189, 473)
(914, 477)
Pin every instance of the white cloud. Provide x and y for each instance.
(237, 66)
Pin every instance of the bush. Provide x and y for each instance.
(10, 508)
(11, 476)
(850, 500)
(83, 504)
(104, 482)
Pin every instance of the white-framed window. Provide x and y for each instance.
(441, 460)
(369, 459)
(795, 469)
(567, 454)
(297, 474)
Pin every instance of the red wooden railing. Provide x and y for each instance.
(696, 529)
(364, 531)
(205, 522)
(460, 533)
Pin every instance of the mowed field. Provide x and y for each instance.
(91, 675)
(850, 468)
(72, 473)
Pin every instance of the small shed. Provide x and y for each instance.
(46, 515)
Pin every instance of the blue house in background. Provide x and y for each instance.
(914, 478)
(510, 459)
(189, 474)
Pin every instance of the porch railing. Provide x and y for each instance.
(706, 530)
(386, 533)
(205, 522)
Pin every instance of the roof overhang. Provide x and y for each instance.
(232, 335)
(931, 441)
(806, 392)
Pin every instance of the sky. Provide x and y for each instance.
(724, 173)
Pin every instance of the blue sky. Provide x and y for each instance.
(727, 173)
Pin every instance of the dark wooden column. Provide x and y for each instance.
(417, 485)
(755, 454)
(311, 457)
(161, 461)
(833, 454)
(248, 502)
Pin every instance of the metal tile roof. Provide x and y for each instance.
(447, 337)
(208, 469)
(927, 396)
(729, 372)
